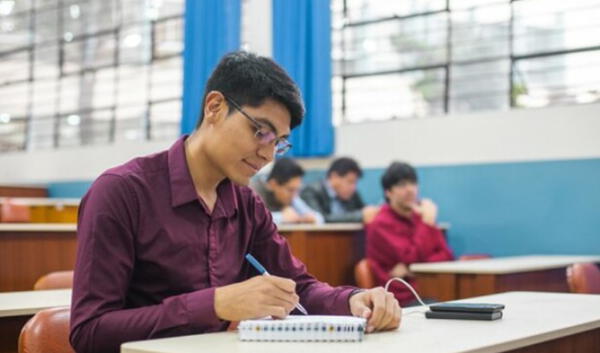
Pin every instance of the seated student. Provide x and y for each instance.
(336, 197)
(161, 239)
(280, 189)
(403, 232)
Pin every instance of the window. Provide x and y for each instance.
(81, 72)
(415, 58)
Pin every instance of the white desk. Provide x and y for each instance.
(463, 279)
(42, 201)
(530, 318)
(18, 307)
(38, 227)
(30, 302)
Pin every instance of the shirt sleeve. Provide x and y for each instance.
(100, 319)
(273, 251)
(302, 208)
(433, 245)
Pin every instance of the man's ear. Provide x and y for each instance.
(215, 107)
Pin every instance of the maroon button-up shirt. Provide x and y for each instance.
(393, 239)
(150, 255)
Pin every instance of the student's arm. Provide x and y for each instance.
(106, 235)
(273, 251)
(303, 209)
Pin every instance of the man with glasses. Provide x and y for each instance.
(162, 238)
(280, 191)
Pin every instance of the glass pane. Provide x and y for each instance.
(551, 25)
(41, 135)
(135, 45)
(104, 89)
(46, 25)
(45, 93)
(465, 4)
(90, 52)
(164, 120)
(383, 97)
(69, 130)
(133, 86)
(14, 67)
(12, 134)
(14, 101)
(14, 30)
(166, 79)
(557, 79)
(131, 124)
(481, 32)
(96, 127)
(394, 45)
(69, 94)
(45, 61)
(479, 87)
(361, 10)
(88, 16)
(168, 37)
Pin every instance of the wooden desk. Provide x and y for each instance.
(532, 322)
(329, 251)
(18, 307)
(29, 251)
(463, 279)
(48, 210)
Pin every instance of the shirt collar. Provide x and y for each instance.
(182, 185)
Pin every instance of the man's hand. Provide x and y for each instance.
(308, 218)
(379, 307)
(257, 297)
(369, 212)
(428, 211)
(289, 215)
(400, 270)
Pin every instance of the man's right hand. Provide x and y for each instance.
(369, 212)
(257, 297)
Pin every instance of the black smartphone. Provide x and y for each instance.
(467, 307)
(464, 315)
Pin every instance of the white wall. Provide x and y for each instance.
(568, 132)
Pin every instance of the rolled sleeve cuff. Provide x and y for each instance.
(342, 306)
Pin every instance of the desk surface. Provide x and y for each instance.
(38, 227)
(502, 265)
(320, 227)
(30, 302)
(41, 201)
(529, 318)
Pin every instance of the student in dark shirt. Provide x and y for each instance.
(336, 197)
(162, 238)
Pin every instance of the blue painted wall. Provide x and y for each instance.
(510, 208)
(501, 209)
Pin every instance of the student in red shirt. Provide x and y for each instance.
(403, 232)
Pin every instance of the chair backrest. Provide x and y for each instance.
(11, 212)
(363, 275)
(47, 332)
(467, 257)
(55, 280)
(584, 278)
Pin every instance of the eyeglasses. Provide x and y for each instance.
(265, 135)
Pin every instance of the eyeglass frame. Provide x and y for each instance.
(279, 151)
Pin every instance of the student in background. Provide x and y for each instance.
(280, 192)
(336, 197)
(403, 232)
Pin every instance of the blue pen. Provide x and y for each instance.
(263, 271)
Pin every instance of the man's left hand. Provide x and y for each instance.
(380, 308)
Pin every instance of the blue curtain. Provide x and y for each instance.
(302, 45)
(212, 29)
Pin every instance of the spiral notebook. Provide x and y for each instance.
(315, 328)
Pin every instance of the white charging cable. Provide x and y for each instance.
(414, 292)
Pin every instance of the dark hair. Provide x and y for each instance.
(396, 173)
(285, 169)
(249, 79)
(343, 166)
